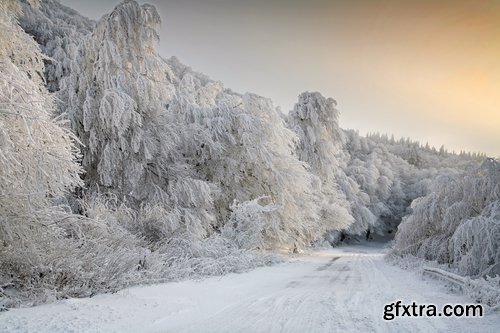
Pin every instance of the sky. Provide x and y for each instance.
(428, 70)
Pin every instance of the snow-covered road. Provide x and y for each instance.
(338, 290)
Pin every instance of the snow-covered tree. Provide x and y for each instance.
(119, 93)
(424, 156)
(457, 222)
(386, 180)
(37, 151)
(241, 144)
(315, 119)
(153, 134)
(116, 105)
(321, 144)
(58, 30)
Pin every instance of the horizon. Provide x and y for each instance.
(409, 69)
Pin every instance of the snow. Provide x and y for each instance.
(165, 174)
(335, 290)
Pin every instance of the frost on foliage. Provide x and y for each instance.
(119, 99)
(320, 144)
(250, 222)
(240, 143)
(116, 107)
(58, 30)
(395, 172)
(361, 175)
(37, 152)
(155, 130)
(425, 156)
(315, 120)
(60, 255)
(458, 223)
(388, 183)
(37, 163)
(357, 175)
(475, 245)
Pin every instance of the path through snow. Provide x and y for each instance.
(338, 290)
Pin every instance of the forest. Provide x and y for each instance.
(119, 167)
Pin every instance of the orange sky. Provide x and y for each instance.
(441, 64)
(425, 69)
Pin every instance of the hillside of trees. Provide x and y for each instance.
(121, 167)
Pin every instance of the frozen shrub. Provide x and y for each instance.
(458, 223)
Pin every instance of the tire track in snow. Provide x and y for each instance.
(343, 294)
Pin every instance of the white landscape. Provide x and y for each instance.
(138, 195)
(338, 290)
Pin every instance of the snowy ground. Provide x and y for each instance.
(338, 290)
